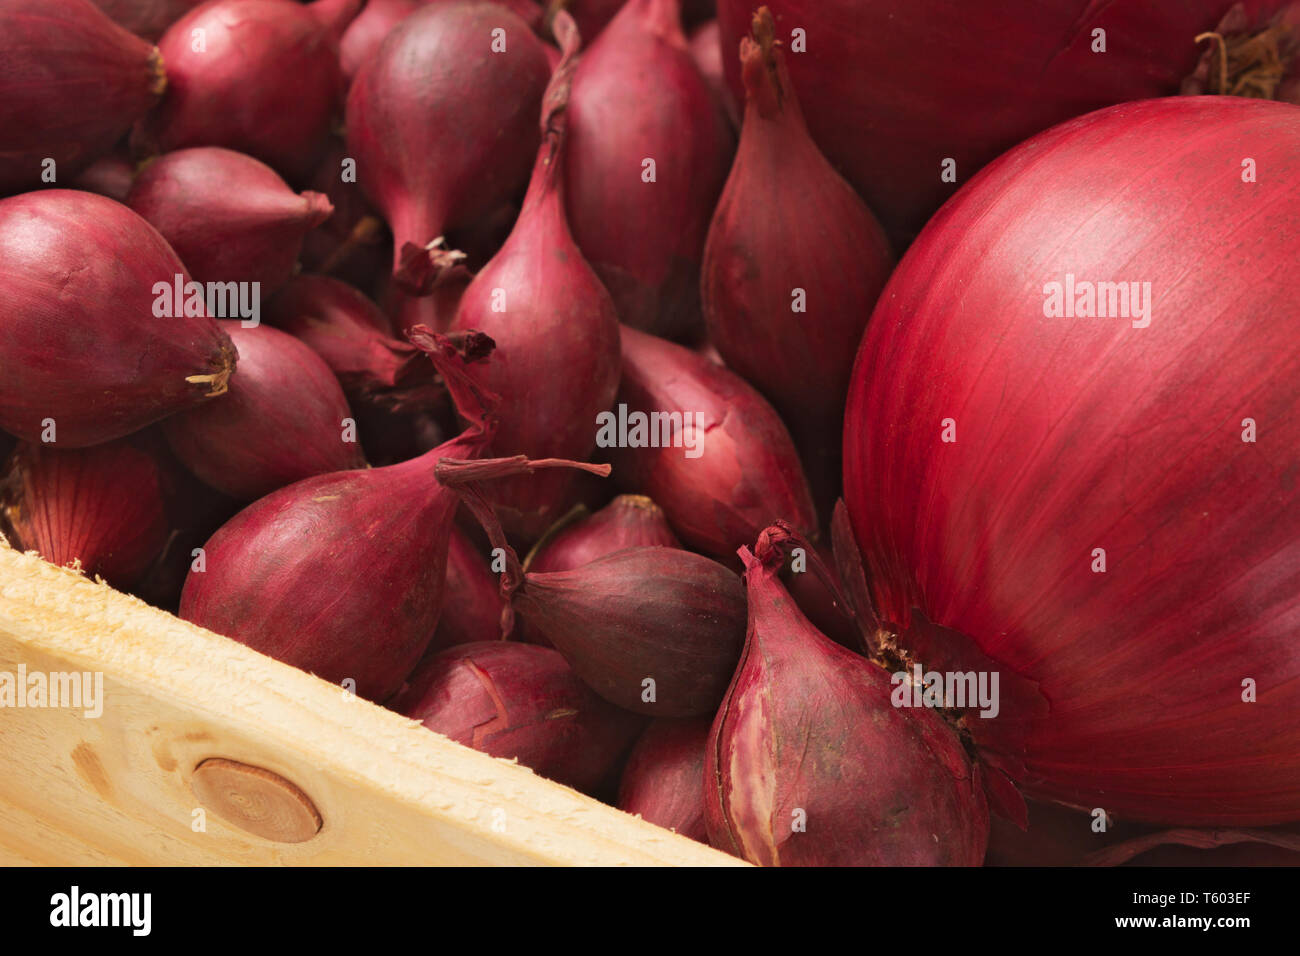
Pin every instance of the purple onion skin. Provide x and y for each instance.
(78, 333)
(341, 575)
(472, 612)
(629, 521)
(229, 217)
(660, 613)
(111, 175)
(268, 83)
(103, 506)
(282, 421)
(71, 84)
(748, 473)
(807, 735)
(663, 780)
(523, 702)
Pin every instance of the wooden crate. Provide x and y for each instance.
(307, 774)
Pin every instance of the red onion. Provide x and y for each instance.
(475, 614)
(364, 35)
(441, 127)
(891, 91)
(267, 83)
(102, 506)
(353, 243)
(82, 342)
(229, 217)
(629, 521)
(809, 764)
(146, 18)
(1123, 443)
(356, 341)
(284, 420)
(72, 82)
(793, 265)
(747, 474)
(706, 48)
(521, 702)
(556, 327)
(663, 781)
(638, 97)
(111, 175)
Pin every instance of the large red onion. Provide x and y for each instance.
(229, 217)
(284, 419)
(892, 90)
(557, 332)
(146, 18)
(71, 83)
(997, 459)
(80, 330)
(747, 473)
(638, 97)
(809, 763)
(793, 265)
(443, 128)
(267, 82)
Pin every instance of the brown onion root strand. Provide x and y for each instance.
(1250, 65)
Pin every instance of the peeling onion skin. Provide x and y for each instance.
(81, 343)
(890, 90)
(637, 95)
(229, 217)
(748, 474)
(808, 726)
(522, 702)
(663, 779)
(1085, 433)
(71, 83)
(282, 420)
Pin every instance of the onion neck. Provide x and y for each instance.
(764, 73)
(1253, 63)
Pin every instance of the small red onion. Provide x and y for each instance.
(663, 781)
(629, 521)
(475, 614)
(111, 175)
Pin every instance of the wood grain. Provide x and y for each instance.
(118, 789)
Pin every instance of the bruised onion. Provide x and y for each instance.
(793, 265)
(442, 121)
(356, 341)
(629, 521)
(71, 83)
(259, 76)
(556, 328)
(101, 506)
(663, 781)
(285, 419)
(229, 217)
(521, 702)
(93, 348)
(743, 471)
(647, 157)
(809, 763)
(1024, 495)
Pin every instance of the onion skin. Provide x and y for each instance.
(748, 474)
(558, 327)
(807, 725)
(146, 18)
(102, 506)
(475, 613)
(111, 175)
(268, 83)
(629, 521)
(229, 217)
(638, 94)
(989, 81)
(788, 221)
(282, 421)
(71, 83)
(364, 35)
(443, 130)
(664, 776)
(706, 48)
(81, 343)
(521, 702)
(660, 613)
(355, 339)
(993, 536)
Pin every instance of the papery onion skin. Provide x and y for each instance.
(522, 702)
(809, 763)
(284, 419)
(638, 96)
(1088, 433)
(81, 342)
(443, 129)
(748, 472)
(989, 79)
(71, 83)
(664, 777)
(229, 217)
